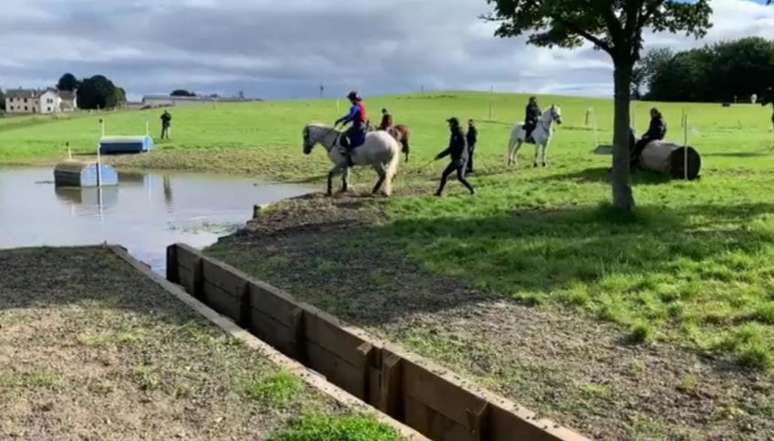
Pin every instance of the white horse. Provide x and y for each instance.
(380, 150)
(541, 135)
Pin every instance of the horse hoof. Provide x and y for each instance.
(535, 165)
(545, 165)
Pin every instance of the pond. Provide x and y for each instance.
(144, 213)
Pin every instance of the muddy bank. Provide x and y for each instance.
(570, 367)
(90, 349)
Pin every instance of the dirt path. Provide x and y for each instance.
(571, 368)
(89, 349)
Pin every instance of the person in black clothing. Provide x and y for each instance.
(458, 150)
(472, 138)
(166, 122)
(656, 132)
(531, 118)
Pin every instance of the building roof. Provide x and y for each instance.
(67, 95)
(28, 93)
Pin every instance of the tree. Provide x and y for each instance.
(68, 83)
(182, 92)
(119, 97)
(647, 67)
(97, 92)
(613, 26)
(2, 100)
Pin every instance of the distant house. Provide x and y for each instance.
(42, 101)
(69, 100)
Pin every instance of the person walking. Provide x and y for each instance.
(166, 123)
(458, 151)
(656, 132)
(472, 139)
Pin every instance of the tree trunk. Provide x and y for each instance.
(622, 189)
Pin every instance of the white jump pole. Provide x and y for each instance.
(147, 128)
(99, 166)
(685, 144)
(594, 123)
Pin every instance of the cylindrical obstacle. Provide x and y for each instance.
(679, 162)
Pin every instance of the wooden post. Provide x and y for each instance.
(391, 400)
(477, 421)
(367, 349)
(298, 341)
(198, 279)
(173, 271)
(685, 145)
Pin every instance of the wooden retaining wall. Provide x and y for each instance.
(412, 390)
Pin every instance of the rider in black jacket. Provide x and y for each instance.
(656, 132)
(458, 150)
(531, 118)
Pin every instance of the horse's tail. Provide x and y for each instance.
(392, 170)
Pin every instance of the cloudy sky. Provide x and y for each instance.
(285, 49)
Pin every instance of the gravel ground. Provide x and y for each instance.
(574, 369)
(92, 350)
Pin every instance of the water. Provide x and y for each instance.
(145, 213)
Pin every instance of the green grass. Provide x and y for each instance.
(277, 390)
(693, 265)
(321, 428)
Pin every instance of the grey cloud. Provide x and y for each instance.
(285, 49)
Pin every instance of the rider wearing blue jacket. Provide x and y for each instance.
(358, 117)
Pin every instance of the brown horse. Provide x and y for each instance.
(402, 134)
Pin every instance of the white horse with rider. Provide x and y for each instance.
(380, 150)
(541, 136)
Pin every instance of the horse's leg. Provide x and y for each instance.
(511, 145)
(537, 153)
(345, 180)
(379, 168)
(334, 171)
(545, 152)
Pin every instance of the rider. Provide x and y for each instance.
(656, 132)
(531, 118)
(356, 134)
(386, 120)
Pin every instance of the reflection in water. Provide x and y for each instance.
(89, 197)
(145, 213)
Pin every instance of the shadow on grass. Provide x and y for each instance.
(602, 175)
(364, 274)
(756, 154)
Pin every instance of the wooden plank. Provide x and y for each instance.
(273, 332)
(222, 301)
(272, 303)
(433, 424)
(172, 265)
(218, 275)
(335, 339)
(186, 279)
(439, 394)
(187, 256)
(337, 370)
(505, 425)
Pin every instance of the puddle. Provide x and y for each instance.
(144, 213)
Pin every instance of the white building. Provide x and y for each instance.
(39, 101)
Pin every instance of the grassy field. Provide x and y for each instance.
(91, 349)
(690, 271)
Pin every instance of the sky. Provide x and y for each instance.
(285, 50)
